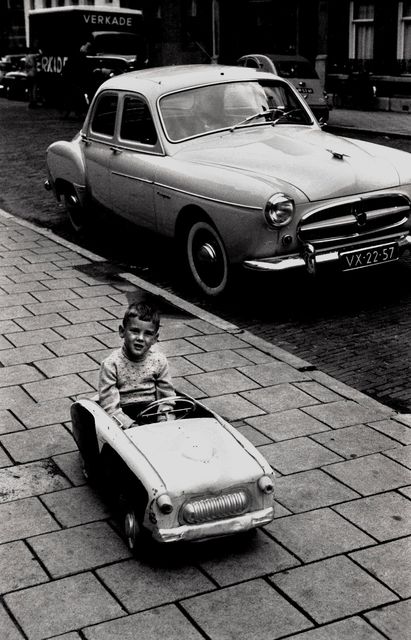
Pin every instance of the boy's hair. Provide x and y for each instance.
(144, 312)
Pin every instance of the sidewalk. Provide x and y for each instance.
(334, 564)
(382, 122)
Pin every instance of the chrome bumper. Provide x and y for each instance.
(218, 528)
(311, 258)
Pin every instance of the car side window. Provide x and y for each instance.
(104, 117)
(136, 123)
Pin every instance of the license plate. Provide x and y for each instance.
(304, 89)
(360, 258)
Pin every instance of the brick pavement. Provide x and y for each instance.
(333, 565)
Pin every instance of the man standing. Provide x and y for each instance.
(31, 67)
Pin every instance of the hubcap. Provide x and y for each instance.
(207, 253)
(208, 260)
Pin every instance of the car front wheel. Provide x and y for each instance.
(207, 258)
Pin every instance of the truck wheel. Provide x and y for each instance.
(206, 258)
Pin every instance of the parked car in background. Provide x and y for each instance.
(191, 478)
(300, 72)
(231, 164)
(13, 78)
(11, 62)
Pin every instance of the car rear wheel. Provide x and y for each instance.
(78, 216)
(206, 258)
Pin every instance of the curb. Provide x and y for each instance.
(192, 309)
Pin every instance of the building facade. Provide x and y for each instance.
(343, 37)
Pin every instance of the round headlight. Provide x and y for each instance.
(164, 504)
(279, 210)
(266, 484)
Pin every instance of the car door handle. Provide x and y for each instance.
(115, 150)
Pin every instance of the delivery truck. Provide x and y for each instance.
(113, 37)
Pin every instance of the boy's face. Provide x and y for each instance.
(138, 336)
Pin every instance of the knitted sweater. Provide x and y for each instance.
(123, 381)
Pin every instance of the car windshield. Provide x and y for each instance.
(193, 112)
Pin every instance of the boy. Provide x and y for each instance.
(135, 375)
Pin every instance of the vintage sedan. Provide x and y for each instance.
(231, 163)
(192, 478)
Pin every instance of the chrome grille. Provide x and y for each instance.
(206, 509)
(358, 218)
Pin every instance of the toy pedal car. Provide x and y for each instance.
(191, 478)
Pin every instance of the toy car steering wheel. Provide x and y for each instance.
(187, 406)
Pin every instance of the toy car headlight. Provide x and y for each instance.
(265, 484)
(279, 210)
(164, 503)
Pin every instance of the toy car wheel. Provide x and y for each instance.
(206, 258)
(133, 531)
(86, 471)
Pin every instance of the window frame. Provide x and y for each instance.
(98, 134)
(354, 23)
(128, 141)
(402, 20)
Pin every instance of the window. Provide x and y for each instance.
(361, 30)
(104, 117)
(404, 34)
(137, 124)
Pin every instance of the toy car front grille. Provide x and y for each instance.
(359, 218)
(216, 508)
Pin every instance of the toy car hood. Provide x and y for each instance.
(195, 455)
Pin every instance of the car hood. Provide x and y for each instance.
(311, 162)
(195, 455)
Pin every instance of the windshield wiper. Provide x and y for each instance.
(285, 114)
(255, 116)
(261, 114)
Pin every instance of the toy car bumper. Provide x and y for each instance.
(218, 528)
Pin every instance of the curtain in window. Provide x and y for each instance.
(407, 41)
(364, 11)
(364, 41)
